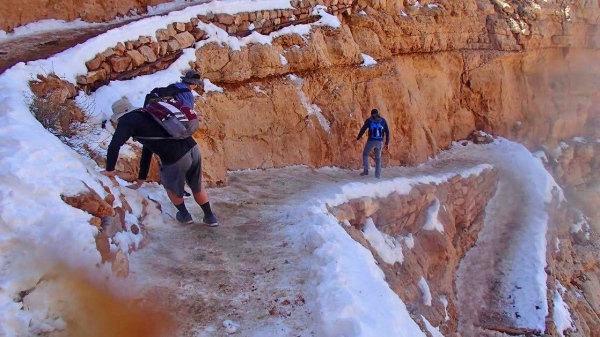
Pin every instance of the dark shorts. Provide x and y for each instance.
(187, 169)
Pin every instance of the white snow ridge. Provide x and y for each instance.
(387, 247)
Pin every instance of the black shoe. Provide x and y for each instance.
(211, 220)
(185, 218)
(364, 174)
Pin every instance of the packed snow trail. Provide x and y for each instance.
(501, 282)
(257, 268)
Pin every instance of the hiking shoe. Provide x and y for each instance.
(211, 220)
(364, 174)
(184, 217)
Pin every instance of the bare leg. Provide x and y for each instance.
(201, 197)
(175, 199)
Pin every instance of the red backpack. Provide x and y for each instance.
(178, 120)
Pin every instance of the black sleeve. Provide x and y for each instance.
(122, 134)
(145, 163)
(363, 129)
(386, 131)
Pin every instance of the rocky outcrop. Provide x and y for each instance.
(428, 253)
(576, 165)
(112, 215)
(574, 269)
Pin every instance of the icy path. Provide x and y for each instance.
(250, 270)
(501, 282)
(245, 270)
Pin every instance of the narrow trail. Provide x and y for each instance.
(250, 271)
(481, 271)
(45, 44)
(245, 270)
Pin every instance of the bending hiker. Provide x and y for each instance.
(377, 127)
(179, 157)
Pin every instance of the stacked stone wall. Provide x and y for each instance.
(149, 54)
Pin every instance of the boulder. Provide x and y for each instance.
(179, 26)
(120, 48)
(225, 19)
(163, 34)
(95, 63)
(96, 76)
(91, 203)
(173, 46)
(53, 88)
(148, 53)
(120, 63)
(137, 59)
(185, 39)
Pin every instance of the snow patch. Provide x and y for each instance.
(311, 108)
(387, 247)
(524, 280)
(409, 241)
(43, 26)
(425, 292)
(283, 60)
(444, 301)
(326, 18)
(432, 222)
(210, 87)
(560, 315)
(368, 61)
(351, 294)
(435, 332)
(259, 90)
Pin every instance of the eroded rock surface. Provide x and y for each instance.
(428, 253)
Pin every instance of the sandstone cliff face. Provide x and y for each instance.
(441, 73)
(18, 13)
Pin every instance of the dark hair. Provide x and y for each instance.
(374, 112)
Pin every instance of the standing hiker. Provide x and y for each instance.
(179, 157)
(377, 127)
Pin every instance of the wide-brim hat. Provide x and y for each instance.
(120, 108)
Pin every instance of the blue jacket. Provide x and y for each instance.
(185, 97)
(377, 127)
(180, 91)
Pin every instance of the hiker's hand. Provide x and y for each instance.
(110, 174)
(137, 184)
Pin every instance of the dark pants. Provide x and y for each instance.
(371, 145)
